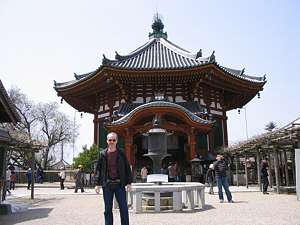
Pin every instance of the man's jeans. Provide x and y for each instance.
(223, 181)
(120, 194)
(265, 183)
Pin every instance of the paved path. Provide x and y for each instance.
(60, 207)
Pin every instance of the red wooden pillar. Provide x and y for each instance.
(192, 144)
(96, 134)
(211, 143)
(129, 150)
(96, 129)
(225, 132)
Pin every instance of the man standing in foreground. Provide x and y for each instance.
(113, 173)
(220, 166)
(264, 166)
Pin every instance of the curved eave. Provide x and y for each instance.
(92, 75)
(189, 117)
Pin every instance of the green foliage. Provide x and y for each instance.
(270, 126)
(87, 158)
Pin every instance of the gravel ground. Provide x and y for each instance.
(64, 207)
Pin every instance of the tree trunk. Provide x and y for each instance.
(45, 158)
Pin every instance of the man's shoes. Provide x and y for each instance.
(82, 191)
(75, 191)
(231, 201)
(265, 193)
(221, 201)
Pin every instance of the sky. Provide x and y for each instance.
(42, 41)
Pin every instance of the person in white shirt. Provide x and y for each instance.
(144, 173)
(62, 177)
(7, 182)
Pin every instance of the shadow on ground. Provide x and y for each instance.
(187, 211)
(31, 214)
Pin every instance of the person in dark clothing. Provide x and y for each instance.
(113, 173)
(28, 176)
(220, 166)
(210, 177)
(41, 175)
(78, 179)
(37, 174)
(264, 166)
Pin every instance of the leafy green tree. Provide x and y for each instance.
(87, 158)
(270, 126)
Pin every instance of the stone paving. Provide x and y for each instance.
(54, 206)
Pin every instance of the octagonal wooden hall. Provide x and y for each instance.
(190, 93)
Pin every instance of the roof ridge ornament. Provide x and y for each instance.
(104, 60)
(118, 57)
(212, 58)
(264, 77)
(242, 72)
(159, 96)
(158, 27)
(199, 54)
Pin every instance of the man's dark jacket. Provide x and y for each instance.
(221, 167)
(124, 171)
(264, 169)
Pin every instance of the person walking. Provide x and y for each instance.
(37, 174)
(28, 176)
(62, 177)
(7, 181)
(210, 177)
(177, 168)
(264, 167)
(144, 173)
(12, 180)
(78, 179)
(220, 166)
(113, 173)
(41, 175)
(171, 173)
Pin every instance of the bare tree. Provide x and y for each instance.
(23, 132)
(56, 128)
(41, 125)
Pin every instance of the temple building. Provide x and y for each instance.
(190, 93)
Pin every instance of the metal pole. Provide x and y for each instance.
(246, 122)
(270, 171)
(276, 168)
(32, 174)
(246, 170)
(237, 170)
(258, 170)
(74, 134)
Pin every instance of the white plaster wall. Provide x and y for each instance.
(103, 115)
(139, 100)
(216, 112)
(179, 99)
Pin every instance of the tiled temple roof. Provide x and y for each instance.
(8, 112)
(159, 54)
(162, 104)
(125, 108)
